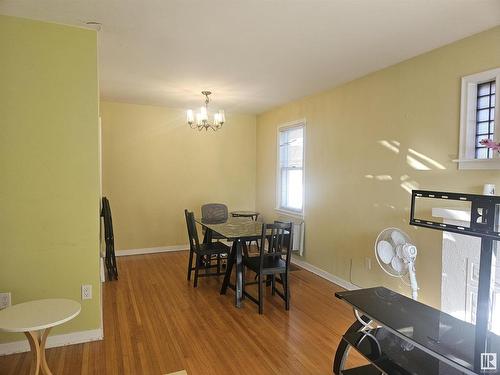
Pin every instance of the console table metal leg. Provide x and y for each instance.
(343, 349)
(483, 300)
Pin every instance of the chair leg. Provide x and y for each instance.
(245, 248)
(261, 295)
(268, 280)
(243, 283)
(273, 284)
(286, 290)
(218, 263)
(196, 268)
(190, 264)
(243, 277)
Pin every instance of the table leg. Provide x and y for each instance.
(35, 352)
(37, 341)
(43, 341)
(343, 349)
(207, 238)
(229, 268)
(239, 275)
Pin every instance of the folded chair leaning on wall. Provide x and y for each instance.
(110, 259)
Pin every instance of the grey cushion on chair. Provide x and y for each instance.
(212, 213)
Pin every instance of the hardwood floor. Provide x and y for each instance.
(155, 322)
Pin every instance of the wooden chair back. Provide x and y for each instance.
(194, 243)
(279, 237)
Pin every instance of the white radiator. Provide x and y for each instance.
(298, 233)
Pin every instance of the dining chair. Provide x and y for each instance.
(202, 250)
(109, 239)
(214, 213)
(274, 259)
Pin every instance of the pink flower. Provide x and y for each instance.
(495, 146)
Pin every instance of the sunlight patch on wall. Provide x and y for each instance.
(427, 159)
(415, 164)
(394, 146)
(409, 186)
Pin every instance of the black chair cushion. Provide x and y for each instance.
(272, 264)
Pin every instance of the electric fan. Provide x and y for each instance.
(396, 256)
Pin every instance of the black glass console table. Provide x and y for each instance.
(410, 337)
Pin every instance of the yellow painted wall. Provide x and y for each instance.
(49, 190)
(155, 166)
(415, 103)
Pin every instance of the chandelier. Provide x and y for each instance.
(202, 121)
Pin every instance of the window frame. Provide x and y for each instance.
(468, 104)
(301, 123)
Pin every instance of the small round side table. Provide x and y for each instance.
(253, 214)
(35, 319)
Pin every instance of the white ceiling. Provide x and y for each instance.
(254, 54)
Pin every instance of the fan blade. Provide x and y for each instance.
(398, 265)
(385, 251)
(398, 238)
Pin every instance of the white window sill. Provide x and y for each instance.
(478, 163)
(293, 214)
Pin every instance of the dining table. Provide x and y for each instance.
(238, 230)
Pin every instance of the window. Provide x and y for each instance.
(477, 120)
(485, 118)
(290, 186)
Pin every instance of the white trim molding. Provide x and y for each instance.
(54, 341)
(151, 250)
(325, 275)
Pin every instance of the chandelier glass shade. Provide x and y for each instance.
(201, 120)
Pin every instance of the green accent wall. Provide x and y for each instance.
(49, 166)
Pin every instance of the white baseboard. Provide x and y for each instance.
(325, 275)
(151, 250)
(54, 341)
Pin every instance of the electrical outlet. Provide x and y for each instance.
(86, 291)
(5, 300)
(368, 263)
